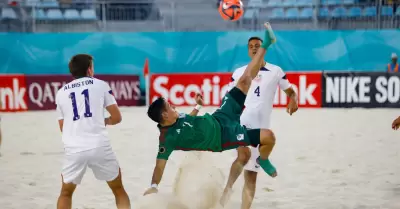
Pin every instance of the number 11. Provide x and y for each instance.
(87, 113)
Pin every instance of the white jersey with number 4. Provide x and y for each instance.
(260, 97)
(81, 104)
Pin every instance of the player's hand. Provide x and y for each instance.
(269, 37)
(199, 99)
(292, 107)
(150, 191)
(396, 124)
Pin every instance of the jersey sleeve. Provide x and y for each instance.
(109, 98)
(164, 149)
(283, 81)
(60, 114)
(234, 80)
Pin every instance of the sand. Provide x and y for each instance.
(326, 159)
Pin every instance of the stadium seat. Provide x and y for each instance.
(348, 2)
(40, 14)
(32, 3)
(88, 14)
(355, 12)
(330, 2)
(386, 11)
(274, 3)
(306, 13)
(289, 3)
(324, 12)
(398, 11)
(278, 13)
(255, 3)
(249, 13)
(48, 4)
(292, 13)
(304, 3)
(71, 14)
(8, 13)
(54, 14)
(370, 11)
(339, 12)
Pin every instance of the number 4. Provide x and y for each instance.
(87, 113)
(257, 91)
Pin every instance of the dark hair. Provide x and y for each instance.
(79, 65)
(255, 38)
(156, 109)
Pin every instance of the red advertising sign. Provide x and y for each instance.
(42, 89)
(13, 93)
(180, 89)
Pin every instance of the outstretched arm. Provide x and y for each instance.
(157, 176)
(293, 105)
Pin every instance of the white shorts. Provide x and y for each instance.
(102, 161)
(252, 164)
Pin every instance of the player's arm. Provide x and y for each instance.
(112, 107)
(60, 113)
(285, 85)
(199, 102)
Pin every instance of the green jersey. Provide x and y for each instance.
(202, 133)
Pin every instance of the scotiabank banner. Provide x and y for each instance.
(13, 95)
(367, 90)
(180, 89)
(38, 92)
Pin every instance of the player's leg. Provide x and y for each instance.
(249, 188)
(121, 197)
(65, 198)
(74, 168)
(236, 169)
(105, 167)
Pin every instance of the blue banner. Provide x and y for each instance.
(125, 53)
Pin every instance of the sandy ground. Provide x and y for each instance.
(326, 159)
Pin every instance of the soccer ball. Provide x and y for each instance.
(231, 9)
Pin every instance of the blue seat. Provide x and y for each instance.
(370, 11)
(306, 13)
(398, 11)
(8, 13)
(324, 12)
(54, 14)
(278, 13)
(292, 13)
(88, 14)
(249, 13)
(355, 12)
(72, 14)
(304, 3)
(40, 14)
(289, 3)
(330, 2)
(32, 3)
(339, 12)
(348, 2)
(48, 4)
(274, 3)
(255, 3)
(386, 11)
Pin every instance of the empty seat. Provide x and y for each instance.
(274, 3)
(48, 4)
(339, 12)
(54, 14)
(32, 3)
(370, 11)
(289, 3)
(306, 13)
(249, 13)
(304, 2)
(255, 3)
(348, 2)
(71, 14)
(39, 14)
(292, 13)
(8, 13)
(386, 11)
(330, 2)
(323, 12)
(398, 11)
(278, 13)
(88, 14)
(354, 12)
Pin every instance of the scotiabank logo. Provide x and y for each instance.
(180, 89)
(13, 93)
(308, 87)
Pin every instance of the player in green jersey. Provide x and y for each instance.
(215, 132)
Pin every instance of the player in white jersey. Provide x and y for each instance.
(257, 114)
(80, 106)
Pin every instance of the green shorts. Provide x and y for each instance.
(233, 134)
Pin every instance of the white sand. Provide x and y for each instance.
(326, 159)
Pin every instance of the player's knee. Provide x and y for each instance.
(267, 137)
(244, 155)
(67, 192)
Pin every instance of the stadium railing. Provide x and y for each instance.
(179, 15)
